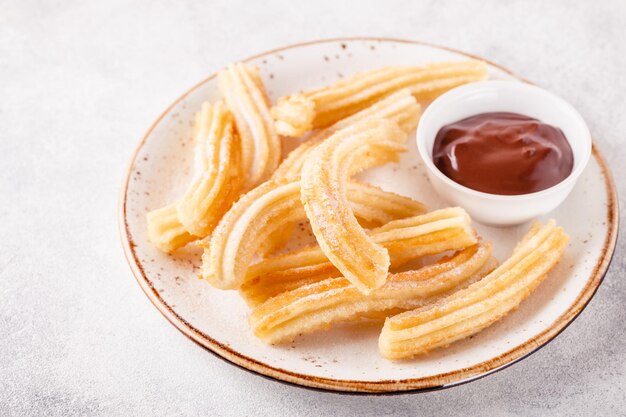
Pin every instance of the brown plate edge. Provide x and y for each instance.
(433, 382)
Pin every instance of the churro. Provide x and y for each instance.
(212, 193)
(245, 96)
(405, 239)
(165, 231)
(324, 194)
(267, 208)
(400, 107)
(215, 184)
(299, 113)
(322, 304)
(479, 305)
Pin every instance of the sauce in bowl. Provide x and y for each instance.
(503, 153)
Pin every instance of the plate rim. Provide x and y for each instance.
(430, 383)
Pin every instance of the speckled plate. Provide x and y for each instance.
(346, 358)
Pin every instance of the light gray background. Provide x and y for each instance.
(79, 84)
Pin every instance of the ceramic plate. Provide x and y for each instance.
(346, 358)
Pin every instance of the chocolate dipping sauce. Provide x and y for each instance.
(503, 153)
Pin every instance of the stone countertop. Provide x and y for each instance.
(80, 81)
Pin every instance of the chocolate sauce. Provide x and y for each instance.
(503, 153)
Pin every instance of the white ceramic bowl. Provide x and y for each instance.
(503, 96)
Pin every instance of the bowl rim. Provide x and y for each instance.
(565, 184)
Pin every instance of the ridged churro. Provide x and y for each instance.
(215, 185)
(212, 193)
(400, 107)
(319, 305)
(324, 194)
(267, 208)
(405, 239)
(299, 113)
(165, 231)
(245, 96)
(479, 305)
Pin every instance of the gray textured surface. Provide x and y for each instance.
(79, 84)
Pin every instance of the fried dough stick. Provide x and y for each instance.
(324, 194)
(481, 304)
(241, 232)
(215, 186)
(405, 239)
(245, 96)
(296, 114)
(319, 305)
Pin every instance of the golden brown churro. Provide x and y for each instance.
(246, 98)
(269, 207)
(216, 183)
(400, 107)
(479, 305)
(212, 193)
(324, 194)
(165, 231)
(319, 305)
(405, 239)
(299, 113)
